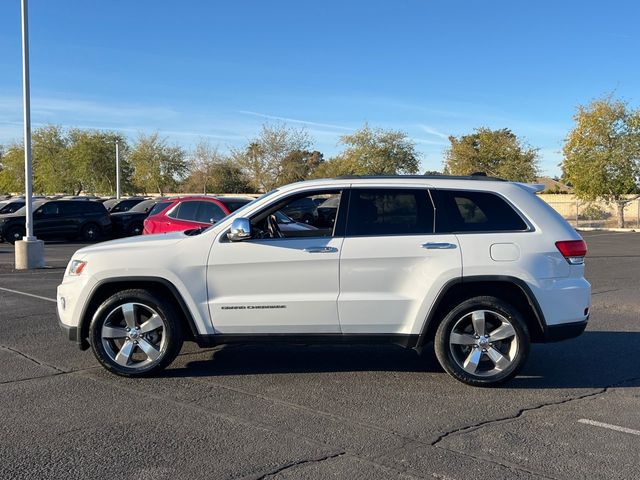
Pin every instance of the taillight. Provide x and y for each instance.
(573, 251)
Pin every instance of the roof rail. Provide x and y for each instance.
(474, 176)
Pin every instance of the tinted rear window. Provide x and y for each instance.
(460, 211)
(209, 212)
(390, 212)
(184, 211)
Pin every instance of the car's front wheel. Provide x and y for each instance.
(14, 234)
(483, 341)
(135, 333)
(90, 232)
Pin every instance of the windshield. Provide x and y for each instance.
(241, 209)
(110, 203)
(244, 207)
(144, 206)
(158, 207)
(23, 210)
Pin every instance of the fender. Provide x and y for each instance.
(521, 284)
(84, 327)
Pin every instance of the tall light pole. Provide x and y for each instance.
(117, 169)
(29, 251)
(26, 103)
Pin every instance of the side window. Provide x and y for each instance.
(50, 209)
(185, 211)
(390, 212)
(209, 212)
(300, 216)
(71, 208)
(462, 211)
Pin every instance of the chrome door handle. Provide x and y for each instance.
(438, 246)
(321, 249)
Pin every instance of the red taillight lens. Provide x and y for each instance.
(573, 250)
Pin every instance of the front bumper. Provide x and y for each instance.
(72, 333)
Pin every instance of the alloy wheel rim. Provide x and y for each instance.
(133, 336)
(484, 343)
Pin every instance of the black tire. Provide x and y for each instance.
(14, 234)
(90, 232)
(135, 362)
(136, 229)
(467, 356)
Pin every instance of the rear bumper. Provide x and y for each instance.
(557, 333)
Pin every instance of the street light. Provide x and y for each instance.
(117, 169)
(29, 251)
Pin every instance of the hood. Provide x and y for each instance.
(12, 215)
(141, 242)
(119, 215)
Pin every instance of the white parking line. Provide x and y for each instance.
(28, 294)
(609, 426)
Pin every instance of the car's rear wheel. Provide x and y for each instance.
(483, 341)
(90, 232)
(135, 333)
(136, 229)
(14, 234)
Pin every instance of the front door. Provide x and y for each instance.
(284, 280)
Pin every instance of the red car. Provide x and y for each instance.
(184, 213)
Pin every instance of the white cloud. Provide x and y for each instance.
(294, 120)
(434, 132)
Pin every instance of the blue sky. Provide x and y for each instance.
(217, 70)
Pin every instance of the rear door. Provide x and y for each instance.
(392, 264)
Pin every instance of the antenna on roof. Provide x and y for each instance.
(479, 174)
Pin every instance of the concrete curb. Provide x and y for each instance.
(596, 229)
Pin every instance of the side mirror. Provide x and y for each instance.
(240, 230)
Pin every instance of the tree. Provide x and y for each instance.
(211, 172)
(12, 169)
(373, 151)
(498, 153)
(263, 159)
(201, 165)
(226, 177)
(602, 153)
(92, 154)
(53, 171)
(299, 165)
(157, 167)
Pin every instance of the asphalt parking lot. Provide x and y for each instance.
(288, 412)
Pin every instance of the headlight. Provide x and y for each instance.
(76, 267)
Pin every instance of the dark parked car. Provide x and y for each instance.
(303, 210)
(11, 205)
(67, 219)
(115, 205)
(327, 211)
(131, 222)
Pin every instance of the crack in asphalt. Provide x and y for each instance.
(32, 359)
(518, 414)
(510, 418)
(606, 291)
(298, 463)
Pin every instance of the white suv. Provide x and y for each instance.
(479, 266)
